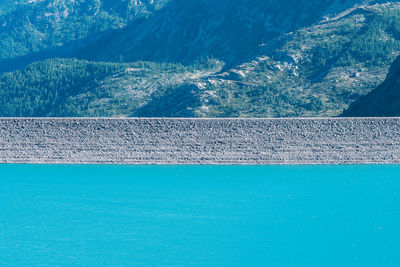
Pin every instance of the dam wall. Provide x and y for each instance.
(200, 141)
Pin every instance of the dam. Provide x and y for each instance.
(200, 141)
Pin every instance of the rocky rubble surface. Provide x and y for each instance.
(200, 141)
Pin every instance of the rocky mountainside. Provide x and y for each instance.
(277, 64)
(225, 58)
(384, 101)
(230, 30)
(316, 70)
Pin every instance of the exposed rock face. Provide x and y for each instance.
(383, 101)
(203, 141)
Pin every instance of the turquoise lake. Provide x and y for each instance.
(199, 215)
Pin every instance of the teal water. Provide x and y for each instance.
(199, 215)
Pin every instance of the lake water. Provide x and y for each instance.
(199, 215)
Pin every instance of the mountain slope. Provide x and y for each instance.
(260, 58)
(314, 61)
(384, 101)
(29, 27)
(71, 87)
(230, 30)
(317, 70)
